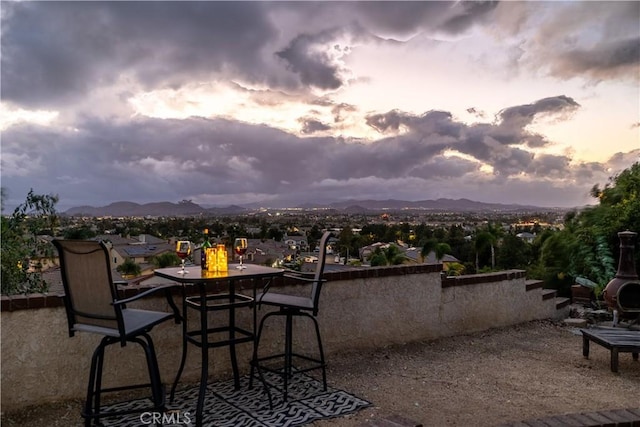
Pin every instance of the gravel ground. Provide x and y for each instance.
(483, 379)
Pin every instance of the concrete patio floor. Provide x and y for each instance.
(488, 378)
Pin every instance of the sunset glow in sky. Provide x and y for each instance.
(283, 103)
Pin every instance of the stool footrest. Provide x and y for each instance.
(316, 363)
(219, 302)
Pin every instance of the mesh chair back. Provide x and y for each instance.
(317, 282)
(88, 286)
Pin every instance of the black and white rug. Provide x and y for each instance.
(226, 407)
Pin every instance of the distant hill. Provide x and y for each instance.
(460, 205)
(119, 209)
(188, 208)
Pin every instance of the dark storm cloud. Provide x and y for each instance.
(305, 57)
(513, 120)
(387, 121)
(471, 12)
(523, 115)
(610, 59)
(79, 45)
(431, 123)
(492, 143)
(592, 40)
(405, 18)
(58, 55)
(152, 159)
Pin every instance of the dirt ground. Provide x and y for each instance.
(483, 379)
(486, 379)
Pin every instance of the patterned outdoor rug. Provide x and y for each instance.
(226, 407)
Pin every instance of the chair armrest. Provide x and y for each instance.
(303, 278)
(289, 272)
(119, 290)
(167, 291)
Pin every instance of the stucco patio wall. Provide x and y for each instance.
(361, 309)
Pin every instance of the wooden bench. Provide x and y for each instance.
(616, 340)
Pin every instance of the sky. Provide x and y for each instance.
(283, 103)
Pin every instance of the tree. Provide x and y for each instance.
(275, 234)
(81, 233)
(583, 248)
(513, 252)
(22, 244)
(166, 259)
(618, 209)
(432, 245)
(588, 246)
(555, 260)
(390, 255)
(129, 268)
(484, 240)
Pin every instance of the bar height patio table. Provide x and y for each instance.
(203, 302)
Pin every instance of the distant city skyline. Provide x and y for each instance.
(230, 103)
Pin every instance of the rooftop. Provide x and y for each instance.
(527, 371)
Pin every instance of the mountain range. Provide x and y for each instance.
(188, 208)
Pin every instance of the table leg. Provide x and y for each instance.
(585, 346)
(204, 373)
(614, 359)
(184, 344)
(232, 335)
(288, 351)
(254, 354)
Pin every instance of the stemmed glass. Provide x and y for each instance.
(240, 247)
(183, 250)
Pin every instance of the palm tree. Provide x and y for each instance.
(390, 255)
(484, 240)
(439, 249)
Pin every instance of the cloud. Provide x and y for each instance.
(310, 126)
(608, 60)
(470, 13)
(309, 57)
(514, 120)
(203, 159)
(407, 18)
(620, 161)
(587, 40)
(81, 44)
(123, 82)
(523, 115)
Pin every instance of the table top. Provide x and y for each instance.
(195, 275)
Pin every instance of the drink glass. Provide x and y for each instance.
(240, 247)
(183, 250)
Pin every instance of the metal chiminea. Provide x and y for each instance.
(626, 275)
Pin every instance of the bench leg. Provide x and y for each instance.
(614, 359)
(585, 347)
(635, 356)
